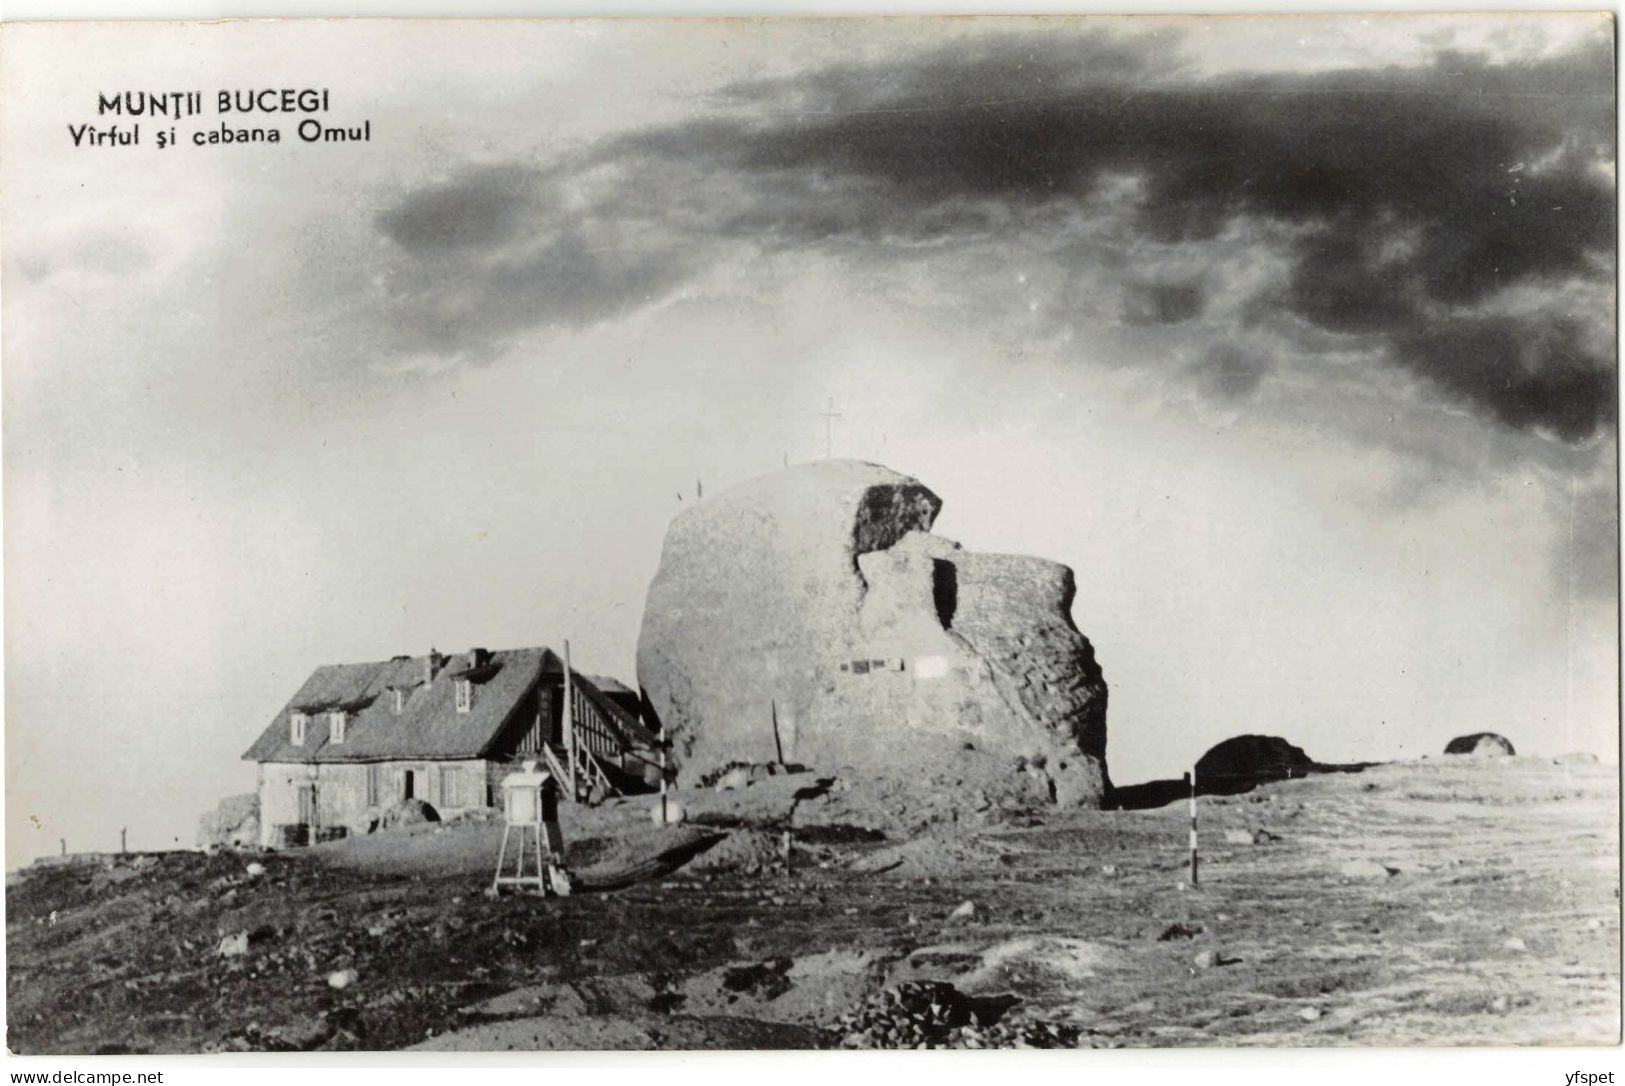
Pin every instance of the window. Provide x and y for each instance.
(465, 695)
(450, 792)
(372, 784)
(335, 727)
(400, 701)
(296, 729)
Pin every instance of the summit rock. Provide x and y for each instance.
(810, 616)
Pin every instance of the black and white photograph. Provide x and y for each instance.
(810, 533)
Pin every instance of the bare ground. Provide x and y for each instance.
(1446, 901)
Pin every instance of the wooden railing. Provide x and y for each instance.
(595, 732)
(597, 738)
(554, 766)
(608, 739)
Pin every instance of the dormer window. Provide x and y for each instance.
(400, 701)
(296, 729)
(335, 726)
(465, 695)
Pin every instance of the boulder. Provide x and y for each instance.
(1481, 745)
(810, 616)
(408, 812)
(1367, 869)
(1246, 761)
(235, 823)
(667, 812)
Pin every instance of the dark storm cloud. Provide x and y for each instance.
(482, 207)
(1228, 374)
(490, 252)
(1531, 372)
(1416, 194)
(1162, 303)
(1412, 200)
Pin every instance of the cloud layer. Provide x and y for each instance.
(1452, 222)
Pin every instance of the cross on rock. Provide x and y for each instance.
(830, 415)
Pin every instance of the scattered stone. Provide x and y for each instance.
(235, 946)
(1515, 943)
(342, 978)
(1180, 931)
(300, 1035)
(1209, 959)
(934, 1014)
(407, 812)
(255, 870)
(1108, 870)
(1366, 869)
(1310, 1014)
(1237, 837)
(965, 911)
(669, 813)
(733, 780)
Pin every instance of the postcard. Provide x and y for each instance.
(810, 533)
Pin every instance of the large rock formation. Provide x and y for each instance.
(235, 823)
(1481, 745)
(1243, 762)
(809, 616)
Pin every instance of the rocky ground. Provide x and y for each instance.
(1446, 901)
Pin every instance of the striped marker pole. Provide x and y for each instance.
(1194, 861)
(664, 817)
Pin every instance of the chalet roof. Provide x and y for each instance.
(610, 685)
(428, 726)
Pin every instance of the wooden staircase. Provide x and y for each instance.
(595, 741)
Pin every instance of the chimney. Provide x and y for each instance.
(478, 658)
(432, 664)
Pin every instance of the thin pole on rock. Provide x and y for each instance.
(663, 811)
(778, 741)
(64, 843)
(123, 840)
(1194, 860)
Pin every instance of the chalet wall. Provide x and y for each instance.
(351, 794)
(279, 795)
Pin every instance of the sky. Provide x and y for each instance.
(1294, 337)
